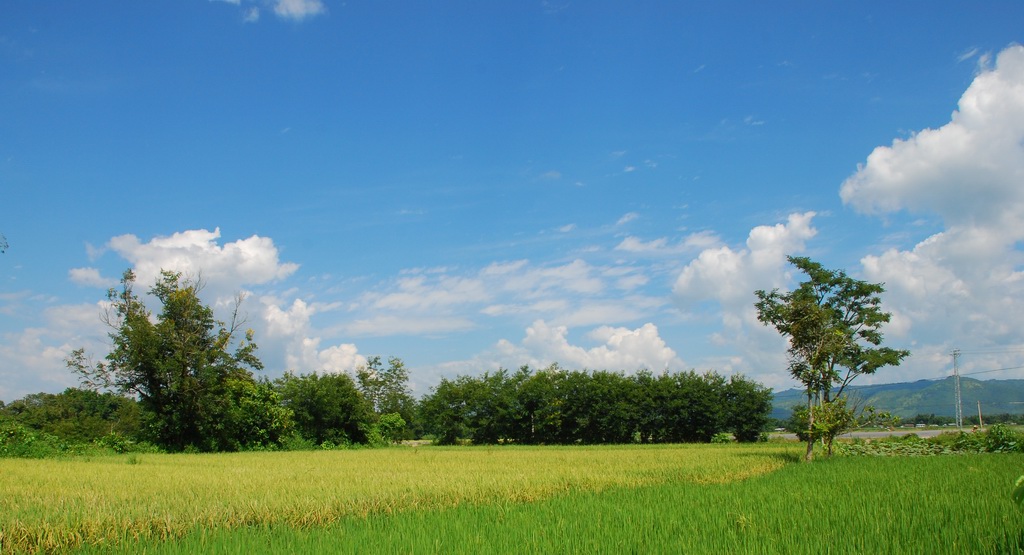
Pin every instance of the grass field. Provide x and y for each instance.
(660, 499)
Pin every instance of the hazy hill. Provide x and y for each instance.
(938, 397)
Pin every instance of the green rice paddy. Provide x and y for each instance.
(628, 499)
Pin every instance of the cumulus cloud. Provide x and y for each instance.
(729, 276)
(961, 287)
(196, 252)
(969, 171)
(291, 327)
(620, 349)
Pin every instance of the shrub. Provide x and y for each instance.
(20, 441)
(1001, 439)
(721, 437)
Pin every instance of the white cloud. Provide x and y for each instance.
(621, 349)
(298, 9)
(306, 357)
(969, 171)
(731, 276)
(90, 277)
(661, 245)
(627, 217)
(292, 329)
(636, 245)
(418, 294)
(284, 323)
(196, 252)
(32, 359)
(961, 287)
(395, 324)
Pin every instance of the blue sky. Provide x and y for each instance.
(470, 186)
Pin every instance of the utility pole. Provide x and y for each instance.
(959, 405)
(981, 423)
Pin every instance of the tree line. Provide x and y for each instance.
(557, 406)
(181, 380)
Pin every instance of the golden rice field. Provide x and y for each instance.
(60, 504)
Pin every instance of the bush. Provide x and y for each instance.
(20, 441)
(1001, 439)
(998, 439)
(721, 437)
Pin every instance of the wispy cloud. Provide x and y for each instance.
(627, 217)
(298, 9)
(294, 10)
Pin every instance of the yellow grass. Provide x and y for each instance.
(56, 504)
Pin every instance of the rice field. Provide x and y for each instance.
(658, 499)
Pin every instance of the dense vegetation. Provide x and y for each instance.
(551, 406)
(557, 406)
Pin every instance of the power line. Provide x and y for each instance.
(990, 371)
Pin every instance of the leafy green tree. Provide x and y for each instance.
(194, 392)
(326, 408)
(748, 406)
(391, 426)
(445, 412)
(699, 406)
(833, 323)
(540, 405)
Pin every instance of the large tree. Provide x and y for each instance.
(833, 323)
(194, 392)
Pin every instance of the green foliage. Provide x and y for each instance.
(721, 437)
(748, 406)
(1018, 492)
(326, 408)
(17, 440)
(77, 415)
(997, 439)
(194, 393)
(391, 426)
(556, 406)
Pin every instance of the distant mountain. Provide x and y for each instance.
(938, 397)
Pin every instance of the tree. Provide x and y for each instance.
(833, 324)
(194, 393)
(387, 389)
(446, 410)
(748, 405)
(326, 408)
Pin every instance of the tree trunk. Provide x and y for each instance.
(810, 430)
